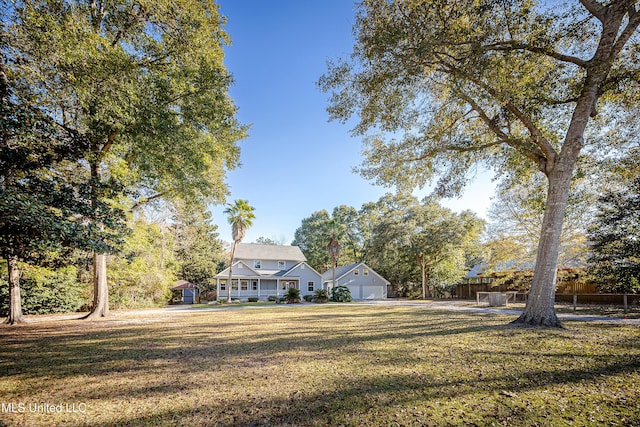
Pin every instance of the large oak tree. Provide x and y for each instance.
(448, 84)
(144, 82)
(45, 209)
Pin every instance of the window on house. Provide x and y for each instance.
(365, 272)
(254, 286)
(244, 285)
(356, 272)
(257, 264)
(284, 285)
(234, 285)
(310, 286)
(223, 285)
(282, 265)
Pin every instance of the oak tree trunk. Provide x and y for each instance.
(15, 302)
(539, 310)
(100, 306)
(426, 291)
(100, 288)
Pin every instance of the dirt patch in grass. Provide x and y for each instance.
(317, 365)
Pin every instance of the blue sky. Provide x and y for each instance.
(294, 161)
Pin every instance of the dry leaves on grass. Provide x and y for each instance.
(321, 365)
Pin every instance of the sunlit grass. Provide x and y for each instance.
(320, 365)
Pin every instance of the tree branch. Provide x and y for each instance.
(459, 149)
(536, 156)
(595, 8)
(514, 45)
(140, 16)
(547, 151)
(630, 29)
(106, 147)
(145, 201)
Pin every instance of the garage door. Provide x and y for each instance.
(372, 292)
(355, 291)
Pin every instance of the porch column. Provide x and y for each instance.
(277, 288)
(258, 287)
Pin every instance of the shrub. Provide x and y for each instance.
(321, 296)
(253, 299)
(293, 296)
(209, 295)
(341, 294)
(308, 298)
(272, 298)
(45, 291)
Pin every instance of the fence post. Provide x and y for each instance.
(625, 303)
(575, 302)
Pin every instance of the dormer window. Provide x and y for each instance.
(257, 264)
(282, 265)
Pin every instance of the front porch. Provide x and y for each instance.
(244, 288)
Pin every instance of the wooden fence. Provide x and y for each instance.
(578, 293)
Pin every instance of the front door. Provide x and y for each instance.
(290, 284)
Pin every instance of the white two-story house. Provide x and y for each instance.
(261, 271)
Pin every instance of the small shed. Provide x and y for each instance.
(186, 292)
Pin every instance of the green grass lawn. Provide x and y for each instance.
(318, 365)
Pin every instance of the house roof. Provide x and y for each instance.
(340, 271)
(346, 269)
(183, 284)
(269, 252)
(263, 273)
(240, 265)
(301, 265)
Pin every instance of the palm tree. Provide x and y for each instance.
(334, 252)
(240, 216)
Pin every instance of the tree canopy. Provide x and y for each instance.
(143, 83)
(439, 87)
(615, 240)
(45, 208)
(315, 232)
(405, 240)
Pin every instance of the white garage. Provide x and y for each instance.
(363, 282)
